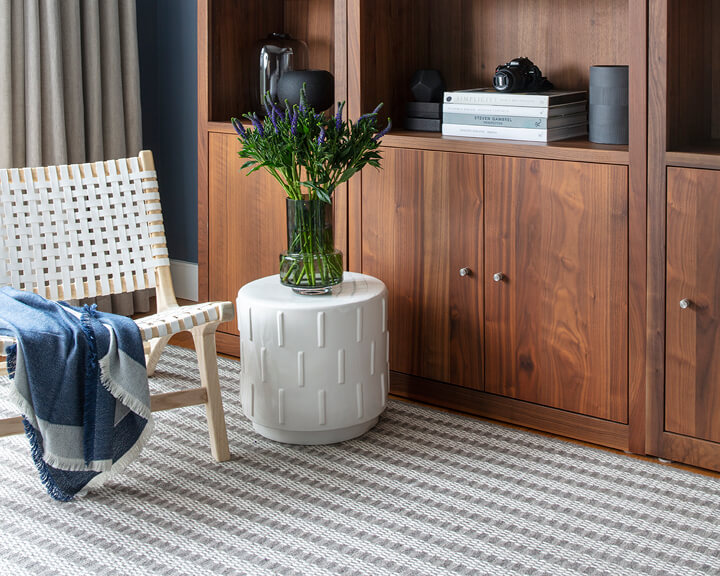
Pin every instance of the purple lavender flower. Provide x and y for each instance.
(273, 119)
(338, 117)
(294, 122)
(321, 137)
(258, 125)
(372, 114)
(239, 128)
(383, 131)
(280, 115)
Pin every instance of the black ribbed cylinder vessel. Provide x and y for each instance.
(608, 105)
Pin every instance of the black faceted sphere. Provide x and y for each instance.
(319, 88)
(427, 86)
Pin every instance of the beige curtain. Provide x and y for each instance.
(70, 88)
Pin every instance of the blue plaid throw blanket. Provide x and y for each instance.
(79, 379)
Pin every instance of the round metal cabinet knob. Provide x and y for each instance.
(498, 276)
(465, 271)
(685, 303)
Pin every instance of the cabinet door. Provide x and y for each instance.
(692, 355)
(556, 328)
(246, 228)
(422, 224)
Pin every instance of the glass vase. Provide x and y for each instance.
(311, 264)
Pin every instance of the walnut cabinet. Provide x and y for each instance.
(507, 275)
(683, 234)
(594, 246)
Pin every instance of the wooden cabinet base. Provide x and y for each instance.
(227, 344)
(688, 450)
(517, 412)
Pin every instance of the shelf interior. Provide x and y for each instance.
(467, 39)
(693, 78)
(236, 27)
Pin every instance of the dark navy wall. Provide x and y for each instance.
(167, 38)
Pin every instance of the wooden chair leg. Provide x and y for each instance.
(204, 338)
(156, 347)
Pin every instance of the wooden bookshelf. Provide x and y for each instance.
(373, 47)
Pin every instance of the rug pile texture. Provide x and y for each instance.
(424, 492)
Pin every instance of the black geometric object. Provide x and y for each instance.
(423, 124)
(608, 105)
(319, 88)
(423, 110)
(427, 86)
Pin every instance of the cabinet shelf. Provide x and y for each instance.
(577, 149)
(703, 155)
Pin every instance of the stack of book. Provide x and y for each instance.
(536, 116)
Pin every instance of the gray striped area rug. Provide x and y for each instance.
(424, 492)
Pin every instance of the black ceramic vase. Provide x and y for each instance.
(319, 88)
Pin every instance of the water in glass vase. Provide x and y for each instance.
(311, 264)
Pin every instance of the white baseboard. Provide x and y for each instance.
(185, 279)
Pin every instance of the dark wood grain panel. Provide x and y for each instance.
(203, 112)
(689, 72)
(692, 373)
(228, 344)
(693, 451)
(422, 223)
(313, 22)
(713, 47)
(637, 224)
(557, 326)
(234, 28)
(246, 226)
(478, 403)
(657, 145)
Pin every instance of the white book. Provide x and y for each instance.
(492, 96)
(502, 133)
(514, 121)
(529, 111)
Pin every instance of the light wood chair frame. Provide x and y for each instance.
(200, 320)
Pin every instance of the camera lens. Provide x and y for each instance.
(504, 80)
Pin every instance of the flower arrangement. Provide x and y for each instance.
(310, 155)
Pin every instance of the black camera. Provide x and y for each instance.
(520, 75)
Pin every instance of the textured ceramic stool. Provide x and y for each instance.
(314, 368)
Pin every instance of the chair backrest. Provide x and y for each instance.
(82, 230)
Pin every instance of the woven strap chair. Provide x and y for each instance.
(87, 230)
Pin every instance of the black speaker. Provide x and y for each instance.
(608, 106)
(319, 88)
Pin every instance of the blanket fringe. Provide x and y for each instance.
(36, 451)
(120, 393)
(119, 466)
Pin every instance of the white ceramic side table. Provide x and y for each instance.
(314, 368)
